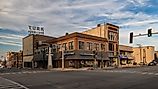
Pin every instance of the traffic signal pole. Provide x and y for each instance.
(149, 34)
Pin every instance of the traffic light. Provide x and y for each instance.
(149, 32)
(131, 38)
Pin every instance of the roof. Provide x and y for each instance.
(112, 25)
(76, 34)
(38, 35)
(107, 24)
(125, 48)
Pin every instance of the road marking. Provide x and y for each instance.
(144, 72)
(19, 72)
(24, 72)
(150, 73)
(156, 73)
(13, 73)
(15, 83)
(6, 73)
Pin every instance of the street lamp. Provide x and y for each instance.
(49, 55)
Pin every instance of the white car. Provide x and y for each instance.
(1, 66)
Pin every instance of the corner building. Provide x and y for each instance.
(111, 33)
(80, 50)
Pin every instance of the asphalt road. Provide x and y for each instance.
(128, 78)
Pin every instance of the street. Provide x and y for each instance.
(122, 78)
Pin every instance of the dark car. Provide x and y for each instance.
(153, 63)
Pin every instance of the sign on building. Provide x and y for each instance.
(36, 30)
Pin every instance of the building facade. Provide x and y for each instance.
(95, 47)
(111, 33)
(14, 59)
(143, 54)
(79, 50)
(126, 56)
(30, 44)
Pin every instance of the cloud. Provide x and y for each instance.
(11, 43)
(11, 36)
(139, 23)
(61, 16)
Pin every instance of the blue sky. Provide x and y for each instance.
(61, 16)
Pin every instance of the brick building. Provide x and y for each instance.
(97, 46)
(111, 33)
(30, 44)
(126, 55)
(14, 59)
(80, 50)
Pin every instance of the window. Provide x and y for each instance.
(113, 36)
(65, 46)
(58, 47)
(81, 45)
(111, 47)
(102, 47)
(96, 46)
(117, 47)
(89, 45)
(53, 48)
(71, 45)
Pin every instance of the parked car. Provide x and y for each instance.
(153, 63)
(1, 66)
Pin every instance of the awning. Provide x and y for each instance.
(28, 58)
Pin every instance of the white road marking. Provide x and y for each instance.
(13, 73)
(150, 73)
(144, 72)
(156, 73)
(24, 72)
(15, 83)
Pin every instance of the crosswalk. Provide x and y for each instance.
(128, 71)
(24, 72)
(9, 84)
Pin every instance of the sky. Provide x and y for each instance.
(61, 16)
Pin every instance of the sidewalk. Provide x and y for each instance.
(69, 69)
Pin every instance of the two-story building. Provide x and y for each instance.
(80, 50)
(97, 46)
(126, 56)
